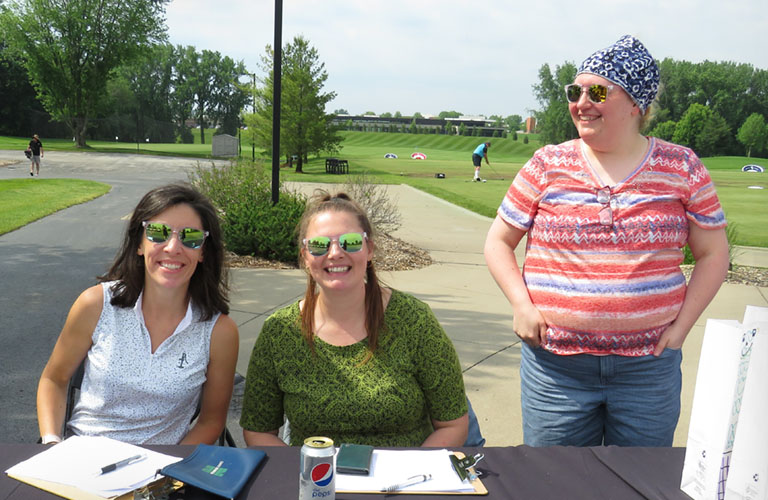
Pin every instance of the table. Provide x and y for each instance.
(510, 473)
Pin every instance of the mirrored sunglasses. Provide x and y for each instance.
(596, 93)
(349, 242)
(190, 237)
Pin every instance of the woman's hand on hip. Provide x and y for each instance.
(529, 325)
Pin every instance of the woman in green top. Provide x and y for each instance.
(353, 361)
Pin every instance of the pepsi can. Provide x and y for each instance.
(317, 473)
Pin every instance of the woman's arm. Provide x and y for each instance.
(710, 249)
(448, 432)
(217, 389)
(70, 350)
(500, 245)
(262, 438)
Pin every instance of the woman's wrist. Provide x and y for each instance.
(50, 439)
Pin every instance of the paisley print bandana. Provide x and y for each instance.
(628, 64)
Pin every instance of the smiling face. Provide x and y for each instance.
(337, 270)
(602, 125)
(171, 264)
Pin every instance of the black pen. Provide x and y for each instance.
(122, 463)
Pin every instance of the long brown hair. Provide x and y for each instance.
(322, 202)
(208, 287)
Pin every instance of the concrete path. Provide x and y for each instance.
(41, 280)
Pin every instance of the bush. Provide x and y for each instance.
(251, 224)
(731, 232)
(373, 198)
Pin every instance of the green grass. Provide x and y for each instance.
(451, 155)
(25, 200)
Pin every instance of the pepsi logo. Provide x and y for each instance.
(322, 474)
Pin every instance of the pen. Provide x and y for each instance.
(122, 463)
(408, 482)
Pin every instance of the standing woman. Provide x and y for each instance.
(353, 361)
(154, 334)
(601, 305)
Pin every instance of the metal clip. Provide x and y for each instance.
(465, 467)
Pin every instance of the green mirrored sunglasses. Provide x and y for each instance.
(190, 237)
(349, 242)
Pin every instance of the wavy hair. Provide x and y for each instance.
(323, 202)
(209, 285)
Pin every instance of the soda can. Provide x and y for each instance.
(317, 472)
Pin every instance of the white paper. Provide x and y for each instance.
(390, 467)
(77, 461)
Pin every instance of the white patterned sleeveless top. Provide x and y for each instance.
(134, 395)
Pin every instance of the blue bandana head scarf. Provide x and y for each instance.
(628, 64)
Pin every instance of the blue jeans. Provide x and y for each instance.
(586, 400)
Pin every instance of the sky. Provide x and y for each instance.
(478, 57)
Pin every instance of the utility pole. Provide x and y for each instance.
(277, 71)
(253, 108)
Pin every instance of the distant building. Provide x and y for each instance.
(530, 125)
(370, 123)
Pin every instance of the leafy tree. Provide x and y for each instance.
(341, 111)
(462, 129)
(71, 47)
(386, 115)
(448, 129)
(413, 129)
(664, 130)
(753, 134)
(691, 124)
(212, 82)
(398, 114)
(369, 113)
(19, 106)
(514, 122)
(554, 123)
(418, 115)
(449, 114)
(714, 136)
(305, 127)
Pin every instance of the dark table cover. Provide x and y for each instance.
(509, 473)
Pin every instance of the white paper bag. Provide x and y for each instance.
(748, 475)
(720, 382)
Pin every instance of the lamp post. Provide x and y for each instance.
(277, 72)
(253, 108)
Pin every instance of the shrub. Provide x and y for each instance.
(731, 232)
(381, 210)
(251, 224)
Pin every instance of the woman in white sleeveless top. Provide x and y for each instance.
(155, 334)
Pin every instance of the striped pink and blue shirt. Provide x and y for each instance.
(604, 267)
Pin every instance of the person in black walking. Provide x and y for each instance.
(36, 147)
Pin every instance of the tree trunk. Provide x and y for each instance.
(201, 122)
(299, 164)
(78, 129)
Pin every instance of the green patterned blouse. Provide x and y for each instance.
(413, 377)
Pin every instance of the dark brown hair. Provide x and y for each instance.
(323, 202)
(208, 287)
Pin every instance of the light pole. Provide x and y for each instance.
(277, 71)
(253, 108)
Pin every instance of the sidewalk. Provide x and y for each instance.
(470, 307)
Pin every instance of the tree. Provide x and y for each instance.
(213, 81)
(449, 114)
(418, 115)
(71, 47)
(554, 123)
(714, 136)
(386, 115)
(341, 111)
(514, 122)
(690, 125)
(753, 134)
(305, 127)
(664, 130)
(21, 113)
(398, 114)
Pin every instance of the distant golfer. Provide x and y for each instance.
(36, 147)
(481, 152)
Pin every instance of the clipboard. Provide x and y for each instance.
(477, 485)
(75, 493)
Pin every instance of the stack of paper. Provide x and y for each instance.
(389, 467)
(77, 462)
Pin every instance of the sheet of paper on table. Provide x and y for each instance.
(390, 467)
(77, 461)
